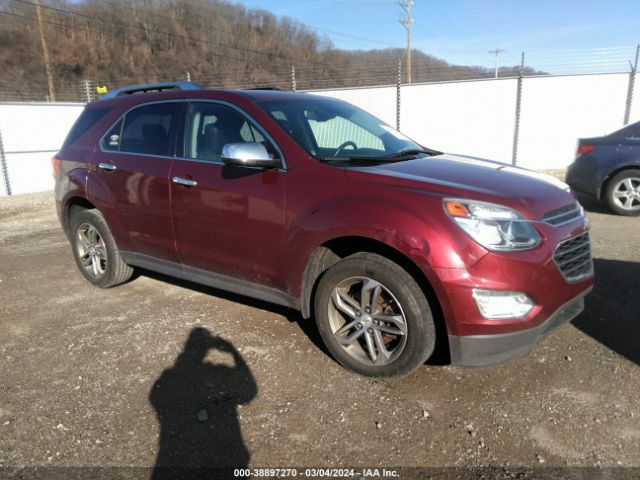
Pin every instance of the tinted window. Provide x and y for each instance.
(211, 126)
(147, 129)
(87, 119)
(111, 140)
(629, 131)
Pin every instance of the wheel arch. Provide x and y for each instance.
(332, 251)
(605, 183)
(73, 205)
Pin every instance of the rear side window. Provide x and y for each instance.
(87, 119)
(147, 129)
(629, 131)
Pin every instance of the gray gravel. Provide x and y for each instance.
(89, 376)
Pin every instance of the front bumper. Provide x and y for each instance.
(488, 350)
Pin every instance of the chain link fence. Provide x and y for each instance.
(318, 76)
(4, 170)
(499, 104)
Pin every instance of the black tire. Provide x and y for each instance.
(612, 186)
(115, 270)
(420, 329)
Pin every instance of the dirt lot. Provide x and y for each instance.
(82, 383)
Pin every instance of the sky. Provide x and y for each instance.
(553, 33)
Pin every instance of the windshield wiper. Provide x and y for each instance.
(359, 159)
(411, 152)
(407, 154)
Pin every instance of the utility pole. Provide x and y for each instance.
(497, 52)
(45, 52)
(406, 20)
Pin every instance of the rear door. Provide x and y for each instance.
(134, 163)
(228, 220)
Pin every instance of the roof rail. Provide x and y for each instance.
(152, 87)
(263, 88)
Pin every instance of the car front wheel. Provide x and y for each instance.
(373, 316)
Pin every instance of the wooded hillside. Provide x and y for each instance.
(118, 42)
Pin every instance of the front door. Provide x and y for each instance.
(228, 220)
(134, 164)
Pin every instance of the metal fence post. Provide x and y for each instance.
(632, 81)
(398, 83)
(293, 78)
(88, 90)
(516, 130)
(4, 168)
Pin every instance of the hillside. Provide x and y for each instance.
(118, 42)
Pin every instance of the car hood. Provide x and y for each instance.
(470, 177)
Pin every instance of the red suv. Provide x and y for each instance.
(312, 203)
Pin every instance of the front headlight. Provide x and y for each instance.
(493, 226)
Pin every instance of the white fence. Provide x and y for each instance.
(470, 117)
(478, 117)
(31, 134)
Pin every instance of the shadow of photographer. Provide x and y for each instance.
(196, 404)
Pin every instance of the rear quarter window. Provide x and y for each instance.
(111, 140)
(87, 119)
(629, 131)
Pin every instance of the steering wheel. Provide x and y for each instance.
(346, 144)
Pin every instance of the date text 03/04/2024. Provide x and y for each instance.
(316, 472)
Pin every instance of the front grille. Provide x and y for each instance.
(563, 215)
(573, 258)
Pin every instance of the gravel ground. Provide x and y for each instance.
(94, 377)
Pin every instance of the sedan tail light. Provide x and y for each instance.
(584, 148)
(55, 163)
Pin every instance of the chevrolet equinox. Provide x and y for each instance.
(309, 202)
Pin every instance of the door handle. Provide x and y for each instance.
(187, 182)
(110, 167)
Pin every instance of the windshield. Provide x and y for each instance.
(331, 129)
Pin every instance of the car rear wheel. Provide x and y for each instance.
(623, 193)
(373, 317)
(95, 250)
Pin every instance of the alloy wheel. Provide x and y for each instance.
(626, 193)
(367, 321)
(91, 250)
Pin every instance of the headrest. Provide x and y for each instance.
(229, 121)
(153, 130)
(211, 129)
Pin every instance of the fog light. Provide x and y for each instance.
(502, 304)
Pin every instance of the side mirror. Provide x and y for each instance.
(247, 154)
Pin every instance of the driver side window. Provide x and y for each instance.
(210, 126)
